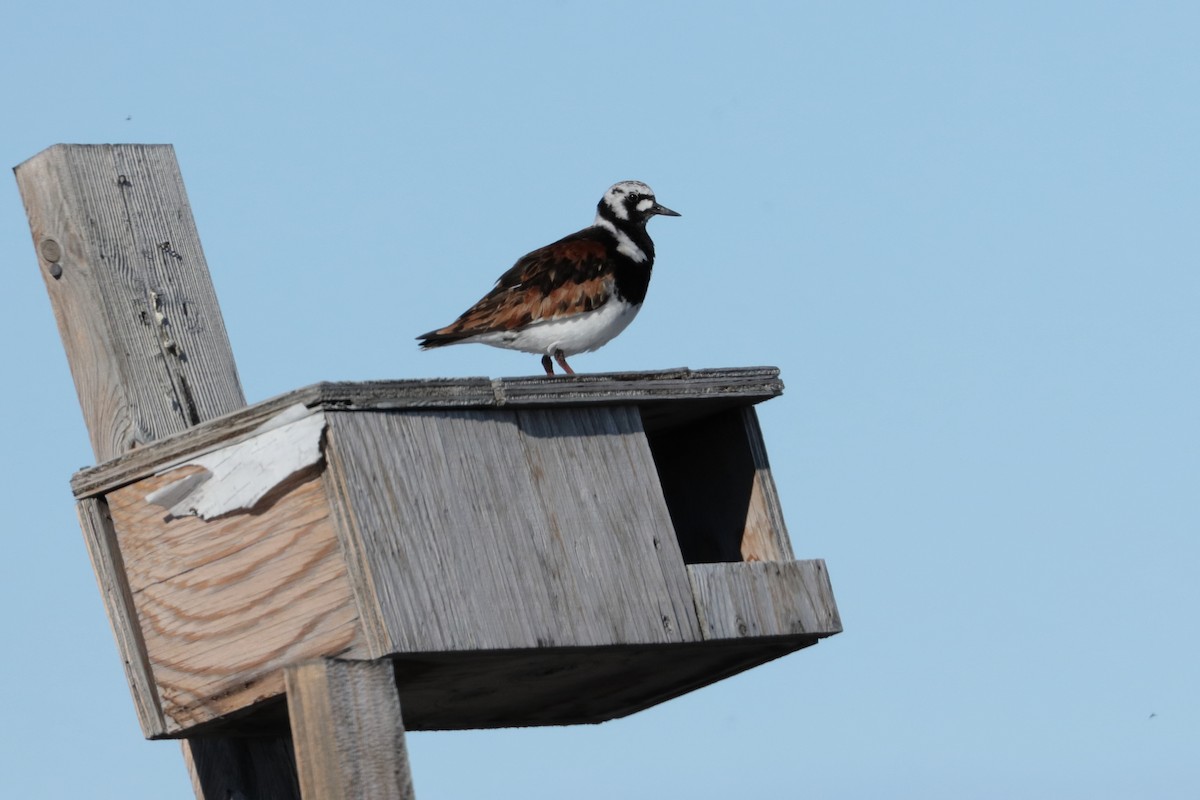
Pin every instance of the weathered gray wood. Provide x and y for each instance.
(107, 563)
(599, 487)
(741, 600)
(357, 552)
(243, 767)
(520, 528)
(677, 395)
(443, 526)
(131, 291)
(477, 532)
(147, 348)
(347, 730)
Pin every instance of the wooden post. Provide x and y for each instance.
(131, 291)
(250, 767)
(348, 731)
(150, 356)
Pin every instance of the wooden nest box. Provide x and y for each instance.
(481, 553)
(538, 551)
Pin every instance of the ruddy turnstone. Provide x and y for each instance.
(572, 296)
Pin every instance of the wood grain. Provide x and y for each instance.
(599, 488)
(224, 605)
(763, 599)
(134, 302)
(503, 529)
(109, 567)
(665, 398)
(347, 730)
(436, 520)
(766, 535)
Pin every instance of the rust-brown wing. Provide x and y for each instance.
(571, 276)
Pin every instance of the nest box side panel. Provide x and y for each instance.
(596, 476)
(495, 529)
(225, 604)
(105, 555)
(763, 599)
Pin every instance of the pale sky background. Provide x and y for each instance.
(966, 232)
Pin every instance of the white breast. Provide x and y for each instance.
(579, 333)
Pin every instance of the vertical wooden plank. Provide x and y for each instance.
(356, 551)
(131, 291)
(443, 508)
(492, 529)
(244, 767)
(107, 563)
(347, 730)
(142, 330)
(600, 492)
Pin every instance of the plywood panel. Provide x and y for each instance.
(498, 529)
(602, 501)
(444, 508)
(737, 601)
(223, 605)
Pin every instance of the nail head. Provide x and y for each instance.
(51, 250)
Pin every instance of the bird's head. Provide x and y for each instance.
(630, 203)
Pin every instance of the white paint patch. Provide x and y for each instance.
(625, 245)
(578, 333)
(236, 477)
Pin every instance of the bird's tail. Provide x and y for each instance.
(438, 338)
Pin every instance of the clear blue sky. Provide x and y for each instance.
(966, 232)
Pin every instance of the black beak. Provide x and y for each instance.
(666, 212)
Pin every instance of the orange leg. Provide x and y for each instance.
(562, 362)
(546, 365)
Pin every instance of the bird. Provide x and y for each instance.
(572, 296)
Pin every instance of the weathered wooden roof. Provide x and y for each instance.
(665, 398)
